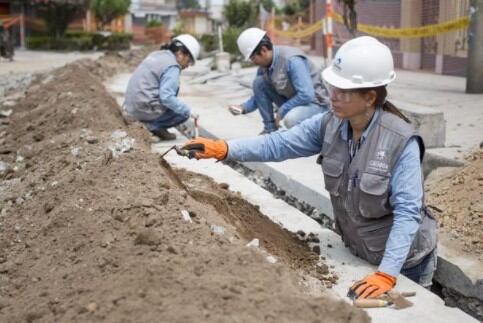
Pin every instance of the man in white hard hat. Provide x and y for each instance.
(371, 162)
(151, 95)
(286, 78)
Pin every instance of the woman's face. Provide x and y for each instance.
(183, 59)
(347, 104)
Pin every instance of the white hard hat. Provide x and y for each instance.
(249, 40)
(190, 43)
(362, 62)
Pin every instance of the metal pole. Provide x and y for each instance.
(329, 36)
(22, 28)
(474, 75)
(220, 39)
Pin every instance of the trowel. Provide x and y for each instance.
(190, 153)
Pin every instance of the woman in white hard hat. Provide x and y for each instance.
(371, 161)
(151, 95)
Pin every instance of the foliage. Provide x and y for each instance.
(179, 28)
(52, 43)
(58, 14)
(108, 10)
(188, 4)
(153, 23)
(81, 41)
(230, 35)
(241, 13)
(209, 42)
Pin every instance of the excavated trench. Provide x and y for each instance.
(94, 228)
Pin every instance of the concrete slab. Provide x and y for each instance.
(428, 307)
(428, 122)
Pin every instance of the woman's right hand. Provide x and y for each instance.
(204, 148)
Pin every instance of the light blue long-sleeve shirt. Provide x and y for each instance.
(406, 189)
(299, 75)
(168, 90)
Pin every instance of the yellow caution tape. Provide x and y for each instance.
(415, 32)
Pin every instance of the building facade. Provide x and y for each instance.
(444, 54)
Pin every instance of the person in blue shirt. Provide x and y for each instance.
(152, 92)
(285, 77)
(371, 161)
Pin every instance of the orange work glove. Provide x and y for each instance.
(374, 285)
(202, 148)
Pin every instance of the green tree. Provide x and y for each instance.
(58, 14)
(107, 10)
(240, 13)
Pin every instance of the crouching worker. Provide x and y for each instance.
(371, 161)
(285, 77)
(151, 95)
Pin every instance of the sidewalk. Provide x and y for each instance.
(302, 178)
(29, 61)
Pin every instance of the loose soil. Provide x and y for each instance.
(456, 197)
(91, 225)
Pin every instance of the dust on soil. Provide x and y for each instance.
(457, 199)
(91, 226)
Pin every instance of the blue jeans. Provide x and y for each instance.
(265, 95)
(167, 120)
(422, 273)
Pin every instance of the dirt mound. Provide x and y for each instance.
(457, 200)
(94, 228)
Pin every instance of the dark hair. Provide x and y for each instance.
(381, 95)
(176, 46)
(265, 42)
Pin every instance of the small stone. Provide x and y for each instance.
(329, 246)
(255, 243)
(48, 206)
(5, 169)
(17, 228)
(301, 235)
(316, 249)
(172, 250)
(147, 237)
(91, 307)
(186, 216)
(38, 136)
(217, 229)
(92, 140)
(224, 186)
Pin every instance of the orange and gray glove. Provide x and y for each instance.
(372, 286)
(203, 148)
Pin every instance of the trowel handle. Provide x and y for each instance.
(370, 303)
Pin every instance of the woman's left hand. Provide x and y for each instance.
(374, 285)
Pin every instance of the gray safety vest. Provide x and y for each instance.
(359, 190)
(281, 82)
(142, 95)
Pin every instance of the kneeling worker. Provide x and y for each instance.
(285, 77)
(151, 95)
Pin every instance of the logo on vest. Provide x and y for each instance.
(380, 163)
(380, 155)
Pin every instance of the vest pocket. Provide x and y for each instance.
(374, 238)
(373, 195)
(332, 169)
